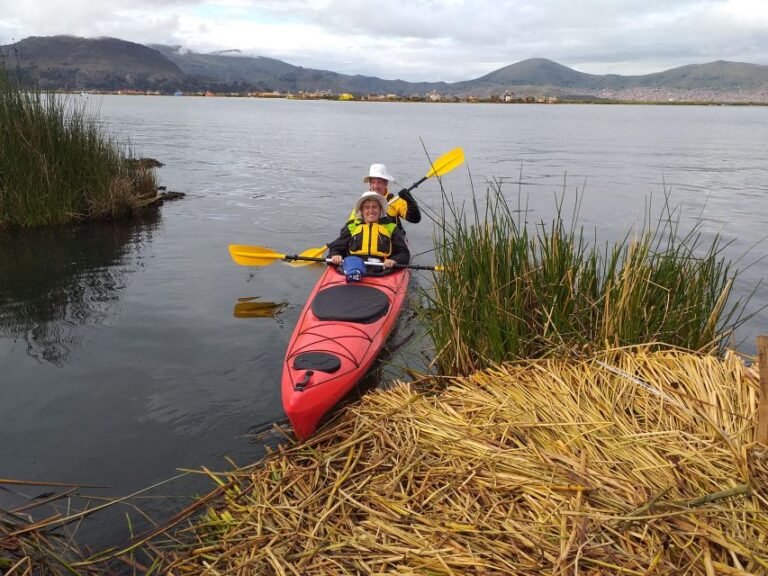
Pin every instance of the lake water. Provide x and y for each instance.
(120, 358)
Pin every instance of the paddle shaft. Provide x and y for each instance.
(261, 256)
(441, 166)
(411, 187)
(415, 184)
(289, 257)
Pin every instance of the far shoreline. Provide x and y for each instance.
(378, 98)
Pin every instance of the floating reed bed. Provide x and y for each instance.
(37, 552)
(48, 545)
(633, 462)
(30, 547)
(57, 165)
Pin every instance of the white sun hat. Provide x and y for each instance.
(370, 196)
(378, 171)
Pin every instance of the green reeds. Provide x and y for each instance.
(513, 290)
(57, 165)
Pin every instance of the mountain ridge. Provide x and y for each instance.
(70, 62)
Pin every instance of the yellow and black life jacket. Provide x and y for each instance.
(373, 239)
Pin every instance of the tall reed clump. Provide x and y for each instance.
(512, 290)
(57, 165)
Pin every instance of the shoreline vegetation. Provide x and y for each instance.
(585, 416)
(513, 289)
(58, 166)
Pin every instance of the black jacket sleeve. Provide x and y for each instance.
(400, 252)
(340, 246)
(412, 212)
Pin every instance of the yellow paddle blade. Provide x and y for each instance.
(446, 162)
(253, 255)
(310, 253)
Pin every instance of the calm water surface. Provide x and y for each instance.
(121, 360)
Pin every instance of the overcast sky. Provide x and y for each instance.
(417, 40)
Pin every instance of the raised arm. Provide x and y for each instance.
(412, 212)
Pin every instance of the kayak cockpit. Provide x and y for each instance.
(350, 303)
(314, 361)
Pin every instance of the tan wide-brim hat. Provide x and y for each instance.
(378, 171)
(371, 196)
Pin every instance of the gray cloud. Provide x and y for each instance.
(427, 40)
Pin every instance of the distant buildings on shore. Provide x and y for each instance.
(657, 96)
(432, 96)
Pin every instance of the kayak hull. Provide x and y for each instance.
(340, 332)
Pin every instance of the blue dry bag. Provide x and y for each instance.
(354, 268)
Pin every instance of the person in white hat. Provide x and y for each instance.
(371, 234)
(403, 207)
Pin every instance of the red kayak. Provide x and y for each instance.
(340, 333)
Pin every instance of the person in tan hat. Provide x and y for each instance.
(403, 207)
(371, 234)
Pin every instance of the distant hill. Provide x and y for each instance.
(537, 72)
(720, 75)
(67, 62)
(271, 74)
(546, 76)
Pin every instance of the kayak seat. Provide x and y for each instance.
(321, 361)
(350, 303)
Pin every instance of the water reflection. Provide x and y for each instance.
(54, 282)
(251, 307)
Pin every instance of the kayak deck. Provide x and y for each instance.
(340, 332)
